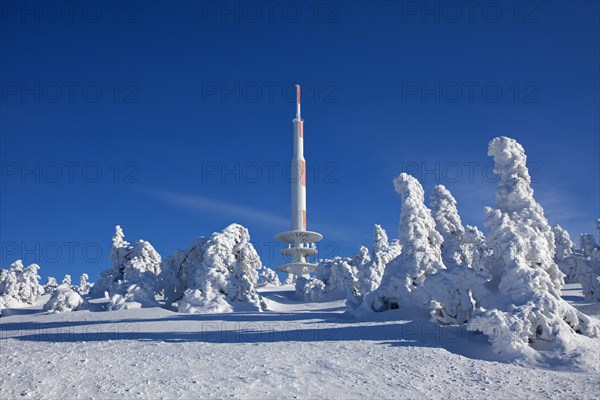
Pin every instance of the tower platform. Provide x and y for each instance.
(301, 244)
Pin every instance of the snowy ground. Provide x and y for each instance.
(297, 350)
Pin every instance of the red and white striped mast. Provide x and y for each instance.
(300, 241)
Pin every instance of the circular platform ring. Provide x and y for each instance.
(297, 268)
(299, 237)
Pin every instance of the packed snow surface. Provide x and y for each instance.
(293, 350)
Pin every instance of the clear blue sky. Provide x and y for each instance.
(162, 99)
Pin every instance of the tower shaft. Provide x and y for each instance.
(298, 172)
(300, 241)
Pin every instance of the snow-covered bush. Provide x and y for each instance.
(20, 285)
(309, 289)
(215, 275)
(420, 257)
(526, 305)
(64, 299)
(132, 280)
(268, 277)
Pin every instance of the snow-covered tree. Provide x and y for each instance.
(290, 279)
(360, 259)
(268, 277)
(462, 246)
(579, 265)
(10, 277)
(353, 276)
(563, 257)
(132, 280)
(421, 254)
(449, 225)
(50, 285)
(588, 275)
(178, 270)
(451, 294)
(586, 270)
(588, 245)
(64, 299)
(370, 271)
(515, 201)
(30, 288)
(84, 286)
(66, 280)
(474, 243)
(20, 285)
(215, 275)
(526, 305)
(563, 243)
(337, 275)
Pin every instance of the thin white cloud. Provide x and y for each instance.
(561, 207)
(203, 204)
